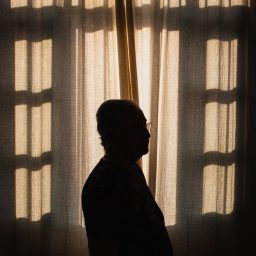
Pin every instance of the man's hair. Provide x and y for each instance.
(111, 116)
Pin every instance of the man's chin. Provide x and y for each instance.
(144, 151)
(141, 153)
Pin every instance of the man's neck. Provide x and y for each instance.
(119, 161)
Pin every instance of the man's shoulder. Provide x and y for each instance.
(99, 176)
(138, 173)
(103, 180)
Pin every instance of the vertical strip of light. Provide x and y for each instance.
(46, 123)
(168, 118)
(36, 129)
(21, 129)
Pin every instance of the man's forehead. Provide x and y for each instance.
(136, 119)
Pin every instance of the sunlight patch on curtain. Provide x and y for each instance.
(142, 2)
(46, 108)
(18, 3)
(60, 3)
(175, 3)
(218, 189)
(40, 128)
(21, 119)
(37, 3)
(35, 195)
(32, 128)
(41, 3)
(168, 134)
(222, 3)
(172, 3)
(143, 48)
(76, 97)
(91, 4)
(94, 78)
(21, 67)
(240, 2)
(144, 64)
(21, 196)
(75, 2)
(220, 126)
(21, 175)
(93, 52)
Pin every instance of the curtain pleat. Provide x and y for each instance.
(126, 50)
(126, 53)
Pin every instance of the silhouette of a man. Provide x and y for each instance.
(121, 215)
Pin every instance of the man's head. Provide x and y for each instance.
(122, 127)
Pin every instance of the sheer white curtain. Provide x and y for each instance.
(65, 64)
(190, 59)
(89, 77)
(60, 62)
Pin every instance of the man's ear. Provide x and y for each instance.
(111, 137)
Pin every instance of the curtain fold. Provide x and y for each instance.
(126, 50)
(126, 53)
(188, 64)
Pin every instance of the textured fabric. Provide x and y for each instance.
(190, 63)
(126, 50)
(59, 62)
(117, 204)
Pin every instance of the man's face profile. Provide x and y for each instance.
(123, 129)
(133, 136)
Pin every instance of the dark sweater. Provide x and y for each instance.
(118, 204)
